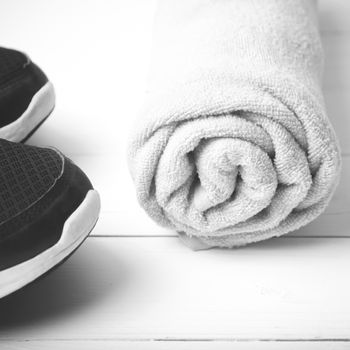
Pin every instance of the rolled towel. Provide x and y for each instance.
(234, 145)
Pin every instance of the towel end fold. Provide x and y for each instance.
(193, 242)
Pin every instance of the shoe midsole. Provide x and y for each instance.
(39, 108)
(76, 228)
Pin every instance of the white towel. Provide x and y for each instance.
(234, 145)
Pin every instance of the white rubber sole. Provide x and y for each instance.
(41, 105)
(75, 230)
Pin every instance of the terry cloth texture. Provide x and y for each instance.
(234, 145)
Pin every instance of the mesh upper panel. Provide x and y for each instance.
(26, 174)
(10, 62)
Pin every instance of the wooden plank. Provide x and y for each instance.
(155, 288)
(174, 345)
(110, 176)
(338, 106)
(337, 54)
(116, 39)
(123, 224)
(333, 16)
(105, 136)
(97, 61)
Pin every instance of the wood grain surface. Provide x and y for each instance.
(133, 285)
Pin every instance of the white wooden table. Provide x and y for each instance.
(133, 285)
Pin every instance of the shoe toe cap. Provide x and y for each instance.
(40, 226)
(20, 80)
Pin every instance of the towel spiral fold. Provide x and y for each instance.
(234, 145)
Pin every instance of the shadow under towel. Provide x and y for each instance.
(234, 145)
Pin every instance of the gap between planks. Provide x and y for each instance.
(177, 345)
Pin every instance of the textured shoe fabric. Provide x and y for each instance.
(20, 81)
(234, 145)
(39, 190)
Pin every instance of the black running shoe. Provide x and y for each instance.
(26, 96)
(47, 209)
